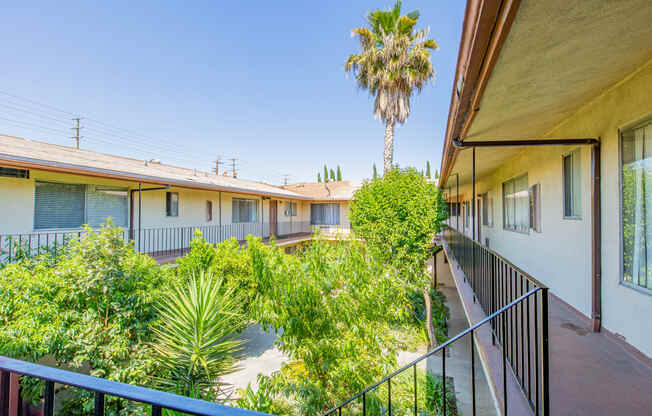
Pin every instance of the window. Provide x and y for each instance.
(487, 210)
(325, 214)
(454, 209)
(14, 173)
(244, 210)
(209, 211)
(103, 202)
(516, 205)
(290, 209)
(69, 206)
(636, 205)
(572, 185)
(535, 207)
(172, 204)
(467, 211)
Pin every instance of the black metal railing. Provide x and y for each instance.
(522, 332)
(360, 403)
(157, 241)
(157, 400)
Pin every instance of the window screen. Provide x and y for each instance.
(103, 202)
(209, 211)
(172, 204)
(244, 210)
(58, 205)
(290, 209)
(325, 214)
(487, 210)
(572, 185)
(535, 207)
(516, 204)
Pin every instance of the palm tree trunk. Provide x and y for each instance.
(389, 145)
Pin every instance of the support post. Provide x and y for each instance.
(140, 212)
(473, 222)
(457, 202)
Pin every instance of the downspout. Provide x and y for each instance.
(596, 249)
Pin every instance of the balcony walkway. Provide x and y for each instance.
(167, 257)
(590, 373)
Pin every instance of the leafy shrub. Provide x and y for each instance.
(90, 311)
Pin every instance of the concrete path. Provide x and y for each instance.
(260, 356)
(458, 361)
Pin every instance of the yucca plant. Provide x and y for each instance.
(195, 338)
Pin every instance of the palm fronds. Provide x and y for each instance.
(195, 340)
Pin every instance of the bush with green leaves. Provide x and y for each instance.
(89, 311)
(398, 216)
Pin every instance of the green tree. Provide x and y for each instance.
(398, 215)
(394, 63)
(332, 175)
(334, 304)
(325, 174)
(339, 173)
(319, 177)
(375, 172)
(428, 169)
(195, 339)
(436, 174)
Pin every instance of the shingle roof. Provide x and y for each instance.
(329, 191)
(15, 151)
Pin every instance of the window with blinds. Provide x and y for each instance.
(325, 214)
(104, 202)
(516, 204)
(244, 210)
(69, 206)
(572, 185)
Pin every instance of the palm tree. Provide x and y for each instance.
(393, 63)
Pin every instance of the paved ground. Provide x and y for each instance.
(458, 361)
(260, 356)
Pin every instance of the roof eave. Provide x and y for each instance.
(18, 161)
(485, 29)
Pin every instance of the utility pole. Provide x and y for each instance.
(285, 179)
(233, 166)
(218, 162)
(76, 128)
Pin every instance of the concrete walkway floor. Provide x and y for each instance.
(458, 361)
(592, 373)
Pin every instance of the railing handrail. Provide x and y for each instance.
(437, 349)
(126, 391)
(492, 252)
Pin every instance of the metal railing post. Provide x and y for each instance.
(545, 363)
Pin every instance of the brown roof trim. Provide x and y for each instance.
(21, 162)
(486, 25)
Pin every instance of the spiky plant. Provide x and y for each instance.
(195, 339)
(393, 64)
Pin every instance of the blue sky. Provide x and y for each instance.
(260, 81)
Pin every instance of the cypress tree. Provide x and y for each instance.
(339, 173)
(375, 172)
(319, 177)
(332, 175)
(428, 169)
(325, 174)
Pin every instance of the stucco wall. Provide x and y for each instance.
(560, 256)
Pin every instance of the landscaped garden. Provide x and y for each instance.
(342, 310)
